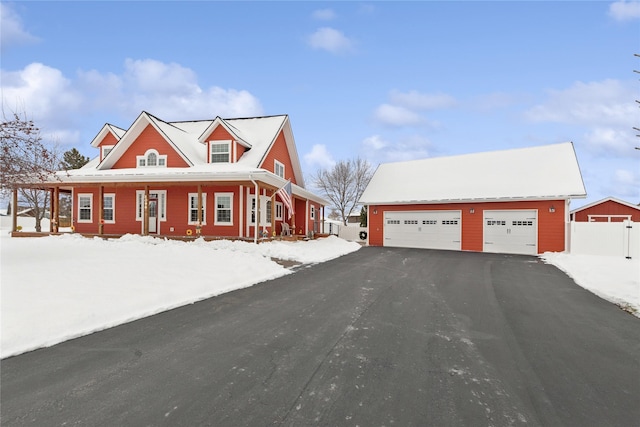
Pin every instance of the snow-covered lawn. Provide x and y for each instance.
(615, 279)
(57, 288)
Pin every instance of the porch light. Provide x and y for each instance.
(552, 209)
(472, 210)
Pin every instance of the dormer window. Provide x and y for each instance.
(152, 159)
(278, 168)
(220, 151)
(106, 149)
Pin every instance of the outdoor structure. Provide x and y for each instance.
(236, 178)
(607, 210)
(509, 201)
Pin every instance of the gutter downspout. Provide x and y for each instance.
(255, 231)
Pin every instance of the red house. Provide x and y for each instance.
(508, 201)
(607, 210)
(217, 178)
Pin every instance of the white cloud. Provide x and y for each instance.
(605, 102)
(331, 40)
(41, 92)
(404, 108)
(605, 109)
(324, 14)
(378, 150)
(12, 32)
(374, 142)
(422, 101)
(319, 157)
(624, 10)
(60, 105)
(609, 141)
(395, 115)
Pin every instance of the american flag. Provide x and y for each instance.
(285, 196)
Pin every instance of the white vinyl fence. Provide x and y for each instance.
(605, 238)
(352, 233)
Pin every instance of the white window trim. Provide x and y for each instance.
(113, 207)
(145, 158)
(204, 209)
(313, 212)
(104, 148)
(162, 201)
(592, 218)
(215, 213)
(263, 210)
(228, 143)
(90, 196)
(275, 168)
(279, 211)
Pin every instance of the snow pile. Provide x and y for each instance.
(61, 287)
(615, 279)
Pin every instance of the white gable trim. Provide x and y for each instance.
(107, 129)
(608, 199)
(136, 129)
(220, 122)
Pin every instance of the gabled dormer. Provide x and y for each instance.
(107, 138)
(223, 142)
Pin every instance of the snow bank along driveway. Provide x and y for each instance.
(58, 288)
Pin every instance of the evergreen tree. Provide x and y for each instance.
(72, 159)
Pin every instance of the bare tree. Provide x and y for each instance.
(25, 161)
(343, 184)
(24, 158)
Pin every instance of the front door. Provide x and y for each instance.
(153, 213)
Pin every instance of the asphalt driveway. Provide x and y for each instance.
(379, 337)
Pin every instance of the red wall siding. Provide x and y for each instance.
(150, 138)
(109, 139)
(608, 207)
(551, 225)
(177, 211)
(280, 153)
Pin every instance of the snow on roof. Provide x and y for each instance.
(260, 132)
(543, 172)
(607, 199)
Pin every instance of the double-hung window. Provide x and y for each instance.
(85, 204)
(224, 209)
(193, 208)
(313, 212)
(109, 208)
(220, 151)
(278, 168)
(279, 210)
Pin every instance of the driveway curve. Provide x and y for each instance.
(380, 337)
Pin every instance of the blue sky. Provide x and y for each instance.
(386, 81)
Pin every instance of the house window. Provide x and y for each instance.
(265, 210)
(106, 149)
(193, 208)
(109, 208)
(278, 168)
(313, 212)
(220, 152)
(279, 210)
(161, 195)
(224, 206)
(85, 203)
(151, 159)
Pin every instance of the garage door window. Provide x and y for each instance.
(450, 222)
(393, 221)
(523, 223)
(496, 222)
(430, 222)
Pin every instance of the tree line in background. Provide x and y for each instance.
(25, 158)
